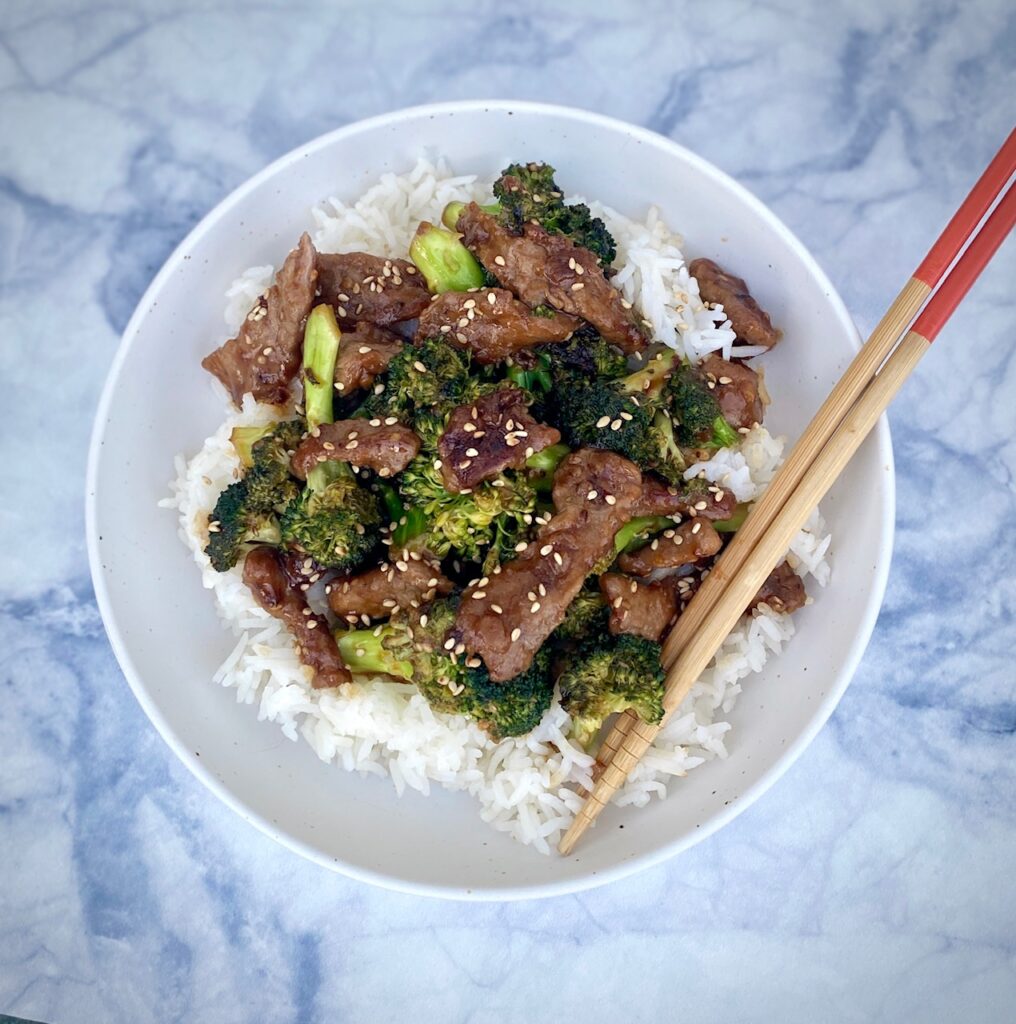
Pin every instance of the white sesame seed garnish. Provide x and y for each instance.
(701, 505)
(496, 609)
(449, 644)
(610, 499)
(351, 445)
(479, 595)
(546, 549)
(534, 607)
(558, 558)
(516, 633)
(602, 422)
(419, 366)
(491, 298)
(577, 286)
(696, 528)
(438, 463)
(627, 416)
(468, 427)
(472, 452)
(312, 624)
(615, 425)
(521, 546)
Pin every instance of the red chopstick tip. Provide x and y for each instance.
(968, 216)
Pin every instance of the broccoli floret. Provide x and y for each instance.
(444, 382)
(334, 520)
(586, 353)
(537, 379)
(418, 655)
(490, 518)
(528, 192)
(246, 512)
(611, 674)
(446, 264)
(236, 522)
(635, 532)
(586, 617)
(321, 340)
(696, 412)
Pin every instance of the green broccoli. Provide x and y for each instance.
(587, 354)
(586, 616)
(528, 192)
(446, 264)
(635, 532)
(419, 654)
(236, 522)
(334, 520)
(536, 379)
(444, 382)
(736, 521)
(696, 412)
(490, 518)
(610, 674)
(246, 512)
(321, 340)
(542, 465)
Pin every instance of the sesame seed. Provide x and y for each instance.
(558, 558)
(438, 463)
(328, 446)
(419, 366)
(472, 452)
(449, 644)
(602, 422)
(499, 260)
(511, 440)
(626, 304)
(696, 528)
(364, 349)
(577, 286)
(725, 380)
(379, 389)
(390, 421)
(491, 298)
(461, 337)
(615, 425)
(352, 445)
(571, 263)
(701, 505)
(468, 427)
(312, 624)
(610, 499)
(546, 549)
(654, 546)
(374, 423)
(627, 416)
(618, 601)
(339, 386)
(496, 609)
(542, 590)
(521, 546)
(534, 607)
(591, 496)
(516, 633)
(479, 595)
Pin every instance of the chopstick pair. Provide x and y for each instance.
(827, 445)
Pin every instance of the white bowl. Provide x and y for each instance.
(162, 624)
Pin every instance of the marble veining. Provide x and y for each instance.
(873, 883)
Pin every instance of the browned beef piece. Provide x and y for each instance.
(411, 580)
(505, 618)
(750, 322)
(365, 352)
(371, 288)
(690, 542)
(736, 389)
(643, 609)
(783, 591)
(692, 498)
(265, 356)
(492, 323)
(387, 448)
(494, 433)
(546, 269)
(265, 575)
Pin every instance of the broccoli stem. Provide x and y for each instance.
(724, 435)
(634, 532)
(446, 264)
(451, 213)
(537, 380)
(363, 651)
(543, 465)
(409, 523)
(321, 339)
(736, 521)
(243, 440)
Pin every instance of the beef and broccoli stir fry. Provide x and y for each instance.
(484, 478)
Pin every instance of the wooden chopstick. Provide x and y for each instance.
(857, 376)
(735, 587)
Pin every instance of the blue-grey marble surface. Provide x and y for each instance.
(874, 883)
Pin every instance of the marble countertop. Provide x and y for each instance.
(874, 883)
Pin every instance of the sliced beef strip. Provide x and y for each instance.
(642, 609)
(408, 582)
(783, 590)
(692, 498)
(365, 287)
(492, 324)
(494, 433)
(387, 448)
(750, 322)
(364, 353)
(736, 389)
(265, 356)
(547, 269)
(504, 619)
(265, 575)
(690, 542)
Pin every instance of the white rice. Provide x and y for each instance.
(530, 786)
